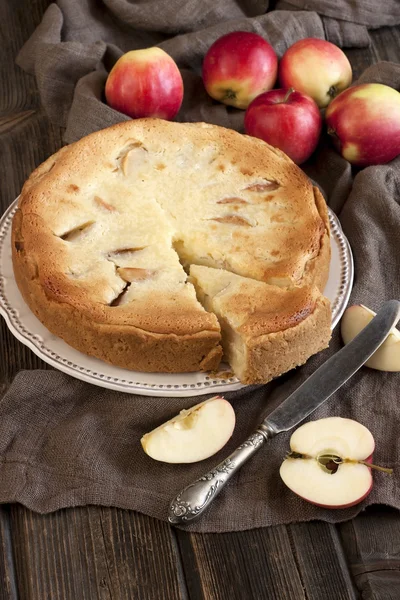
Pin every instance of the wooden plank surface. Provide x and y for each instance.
(107, 553)
(372, 546)
(321, 561)
(8, 587)
(300, 561)
(94, 553)
(26, 139)
(18, 19)
(255, 564)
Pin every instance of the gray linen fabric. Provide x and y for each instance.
(66, 443)
(78, 41)
(366, 12)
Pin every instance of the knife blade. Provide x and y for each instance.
(194, 499)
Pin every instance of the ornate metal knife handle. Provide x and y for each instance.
(194, 499)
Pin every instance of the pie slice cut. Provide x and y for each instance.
(266, 330)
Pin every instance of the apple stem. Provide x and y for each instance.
(332, 92)
(230, 95)
(332, 133)
(371, 466)
(286, 96)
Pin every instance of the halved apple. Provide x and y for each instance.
(387, 357)
(194, 434)
(325, 463)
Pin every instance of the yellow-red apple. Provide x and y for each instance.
(145, 83)
(238, 67)
(326, 464)
(364, 122)
(286, 119)
(316, 68)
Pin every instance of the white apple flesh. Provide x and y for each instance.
(194, 434)
(311, 480)
(387, 357)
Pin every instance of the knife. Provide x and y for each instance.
(194, 499)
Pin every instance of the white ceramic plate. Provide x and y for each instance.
(26, 327)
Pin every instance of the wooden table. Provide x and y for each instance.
(106, 553)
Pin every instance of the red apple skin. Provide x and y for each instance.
(317, 68)
(292, 125)
(365, 124)
(369, 459)
(145, 83)
(238, 67)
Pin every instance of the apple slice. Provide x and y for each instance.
(194, 434)
(325, 463)
(387, 357)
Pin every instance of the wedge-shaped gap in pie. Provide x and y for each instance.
(75, 234)
(179, 247)
(266, 330)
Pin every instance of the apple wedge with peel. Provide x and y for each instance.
(326, 465)
(387, 357)
(194, 434)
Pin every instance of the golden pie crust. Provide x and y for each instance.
(106, 227)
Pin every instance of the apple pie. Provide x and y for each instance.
(107, 229)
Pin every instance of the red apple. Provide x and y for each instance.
(311, 471)
(238, 67)
(286, 119)
(365, 124)
(145, 83)
(316, 68)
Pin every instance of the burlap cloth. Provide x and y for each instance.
(66, 443)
